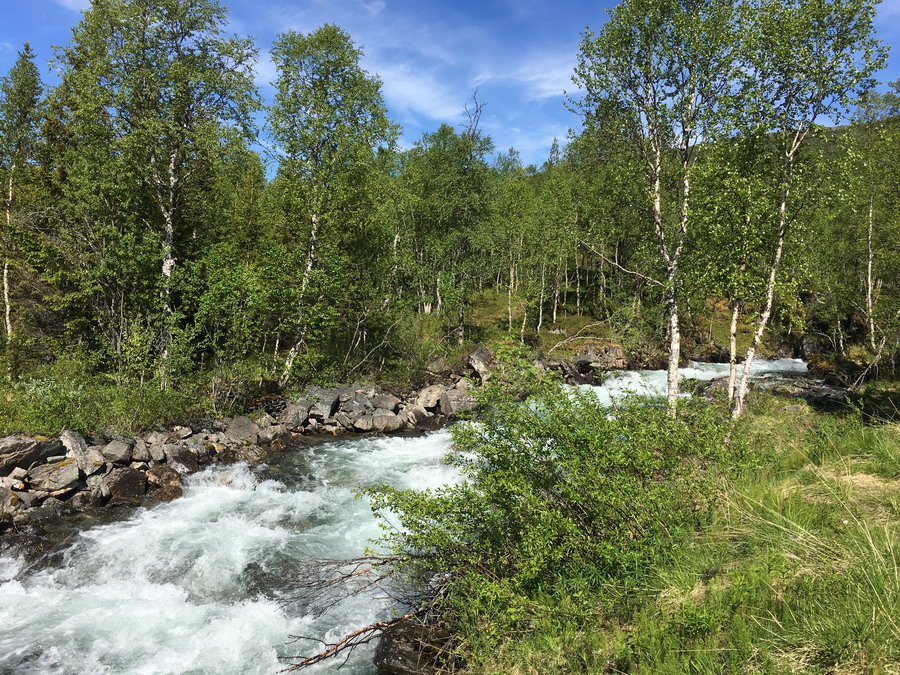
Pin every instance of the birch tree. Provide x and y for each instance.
(662, 69)
(803, 61)
(20, 98)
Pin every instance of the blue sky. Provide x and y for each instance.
(431, 56)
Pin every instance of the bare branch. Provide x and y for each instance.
(618, 266)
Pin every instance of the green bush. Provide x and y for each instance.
(562, 495)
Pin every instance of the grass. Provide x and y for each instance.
(798, 570)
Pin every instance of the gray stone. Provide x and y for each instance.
(74, 443)
(164, 475)
(23, 451)
(126, 485)
(354, 408)
(10, 503)
(460, 398)
(387, 423)
(434, 399)
(52, 477)
(439, 366)
(276, 436)
(157, 452)
(10, 483)
(344, 420)
(295, 414)
(242, 431)
(415, 414)
(19, 473)
(141, 451)
(481, 361)
(364, 423)
(118, 451)
(386, 402)
(325, 402)
(157, 437)
(55, 459)
(140, 466)
(182, 432)
(98, 486)
(182, 459)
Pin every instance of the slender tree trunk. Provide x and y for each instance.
(294, 351)
(732, 349)
(770, 292)
(7, 304)
(168, 268)
(869, 261)
(509, 293)
(540, 322)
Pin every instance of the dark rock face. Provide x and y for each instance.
(410, 649)
(164, 476)
(181, 459)
(326, 402)
(126, 485)
(23, 451)
(295, 414)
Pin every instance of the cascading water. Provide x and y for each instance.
(192, 586)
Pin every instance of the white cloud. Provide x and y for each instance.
(5, 47)
(418, 92)
(264, 70)
(75, 5)
(540, 76)
(373, 7)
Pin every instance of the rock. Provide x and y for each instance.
(98, 486)
(141, 451)
(182, 459)
(182, 432)
(19, 473)
(126, 485)
(157, 437)
(481, 361)
(415, 414)
(460, 398)
(386, 402)
(157, 452)
(276, 436)
(354, 409)
(23, 451)
(387, 423)
(410, 649)
(439, 366)
(364, 423)
(140, 466)
(168, 492)
(11, 483)
(90, 459)
(164, 476)
(325, 402)
(242, 431)
(344, 420)
(118, 451)
(10, 504)
(295, 414)
(53, 477)
(434, 399)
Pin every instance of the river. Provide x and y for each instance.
(193, 586)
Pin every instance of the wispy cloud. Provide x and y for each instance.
(418, 92)
(539, 76)
(75, 5)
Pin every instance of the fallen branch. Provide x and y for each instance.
(618, 266)
(579, 336)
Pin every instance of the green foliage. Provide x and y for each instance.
(561, 496)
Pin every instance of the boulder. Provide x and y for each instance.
(295, 414)
(99, 487)
(415, 414)
(386, 402)
(141, 451)
(275, 436)
(481, 361)
(23, 451)
(89, 458)
(11, 483)
(387, 423)
(164, 476)
(439, 366)
(10, 504)
(325, 404)
(52, 477)
(126, 485)
(168, 492)
(460, 398)
(157, 451)
(434, 399)
(182, 459)
(118, 451)
(242, 431)
(364, 423)
(182, 432)
(344, 420)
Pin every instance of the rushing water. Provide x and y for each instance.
(191, 586)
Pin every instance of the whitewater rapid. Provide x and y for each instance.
(192, 586)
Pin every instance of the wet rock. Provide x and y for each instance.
(182, 459)
(242, 431)
(53, 477)
(23, 451)
(276, 436)
(164, 476)
(126, 485)
(410, 649)
(118, 451)
(168, 492)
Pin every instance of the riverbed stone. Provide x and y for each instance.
(481, 361)
(435, 399)
(182, 459)
(242, 431)
(157, 452)
(23, 451)
(141, 451)
(52, 477)
(182, 432)
(10, 504)
(387, 423)
(386, 402)
(325, 402)
(295, 413)
(118, 451)
(98, 486)
(460, 398)
(126, 485)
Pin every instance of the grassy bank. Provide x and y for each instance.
(796, 570)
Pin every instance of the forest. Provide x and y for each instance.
(167, 231)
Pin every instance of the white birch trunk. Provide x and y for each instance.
(732, 351)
